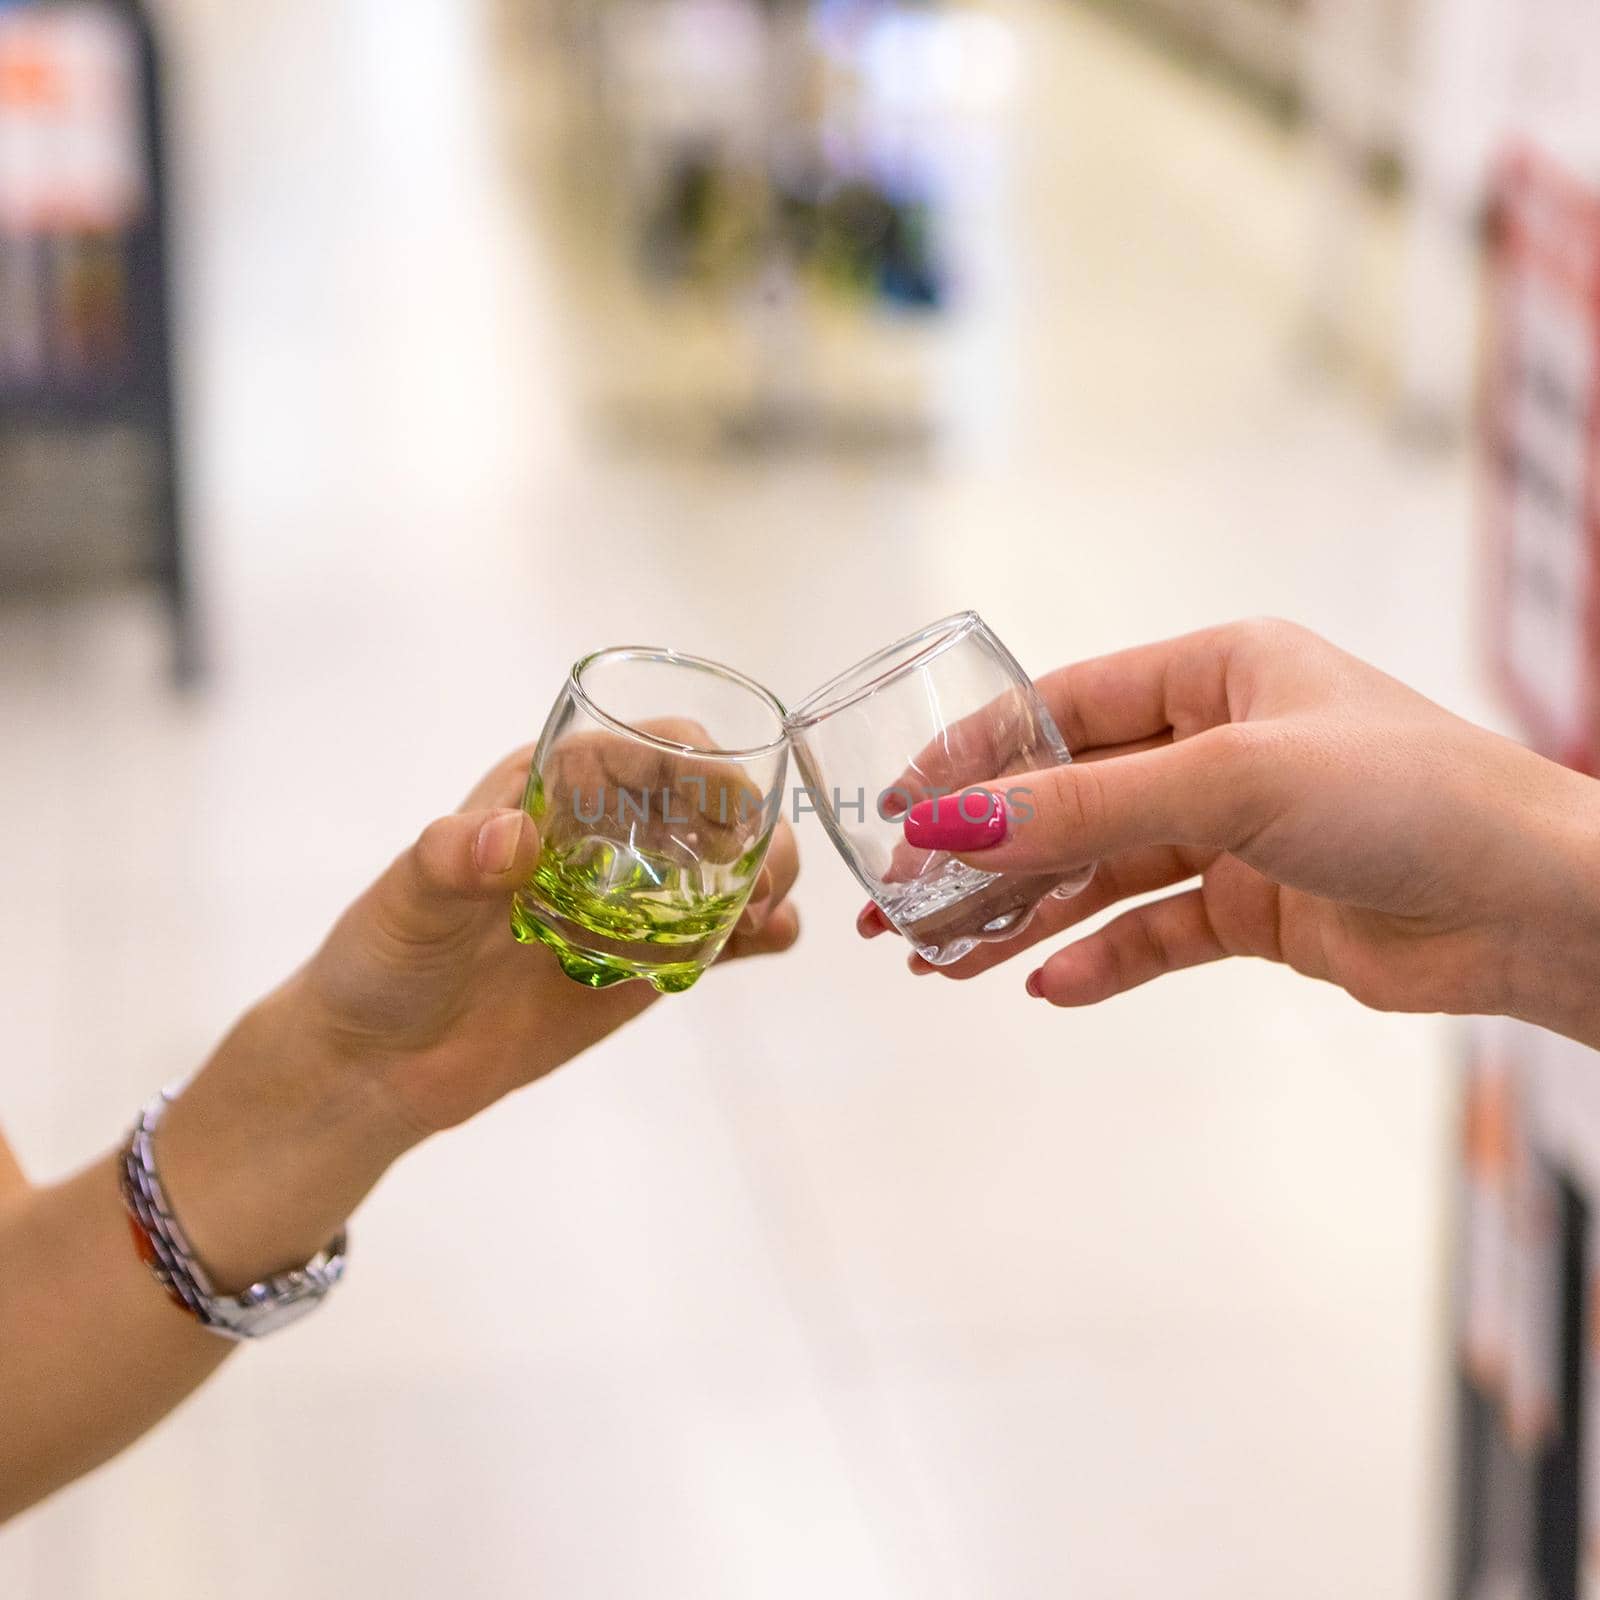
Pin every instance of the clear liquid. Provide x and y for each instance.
(948, 913)
(612, 912)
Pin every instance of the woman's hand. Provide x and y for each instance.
(1336, 821)
(419, 1010)
(422, 986)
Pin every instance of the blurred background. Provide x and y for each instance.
(400, 351)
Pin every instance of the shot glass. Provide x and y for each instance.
(656, 785)
(941, 710)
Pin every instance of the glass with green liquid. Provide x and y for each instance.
(656, 785)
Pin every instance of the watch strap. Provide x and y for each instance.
(164, 1247)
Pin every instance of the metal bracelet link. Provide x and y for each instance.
(263, 1307)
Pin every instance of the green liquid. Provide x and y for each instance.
(611, 913)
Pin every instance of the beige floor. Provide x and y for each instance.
(819, 1283)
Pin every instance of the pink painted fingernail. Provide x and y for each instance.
(1035, 984)
(972, 821)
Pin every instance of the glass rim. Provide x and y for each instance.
(892, 662)
(677, 658)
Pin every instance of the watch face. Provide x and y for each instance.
(251, 1322)
(265, 1307)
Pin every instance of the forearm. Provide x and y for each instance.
(1554, 960)
(1564, 996)
(95, 1353)
(263, 1157)
(268, 1150)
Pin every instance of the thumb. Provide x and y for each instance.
(1204, 792)
(458, 863)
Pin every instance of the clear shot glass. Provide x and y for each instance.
(657, 783)
(937, 712)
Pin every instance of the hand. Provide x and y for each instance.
(1336, 820)
(419, 1010)
(422, 986)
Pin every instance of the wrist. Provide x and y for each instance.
(268, 1150)
(1556, 942)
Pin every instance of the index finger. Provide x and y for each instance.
(1127, 700)
(986, 743)
(694, 803)
(1177, 686)
(1209, 792)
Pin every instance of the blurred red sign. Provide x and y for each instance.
(71, 158)
(1542, 428)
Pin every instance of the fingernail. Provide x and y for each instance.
(758, 907)
(497, 841)
(869, 921)
(919, 968)
(1035, 984)
(972, 821)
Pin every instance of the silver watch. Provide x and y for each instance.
(262, 1308)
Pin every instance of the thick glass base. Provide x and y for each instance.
(597, 968)
(947, 914)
